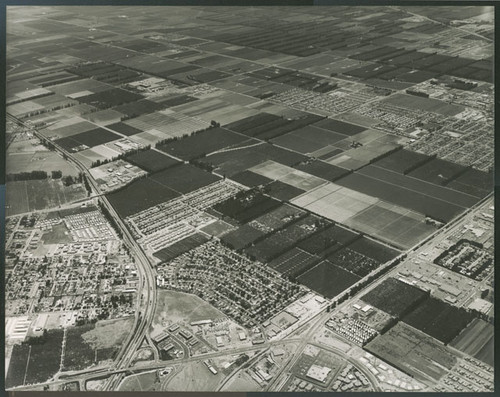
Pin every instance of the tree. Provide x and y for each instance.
(56, 174)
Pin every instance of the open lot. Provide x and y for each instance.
(178, 307)
(194, 377)
(148, 381)
(107, 336)
(38, 160)
(27, 196)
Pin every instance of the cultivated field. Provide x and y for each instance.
(152, 161)
(77, 353)
(477, 341)
(439, 319)
(327, 279)
(140, 195)
(413, 352)
(178, 248)
(395, 297)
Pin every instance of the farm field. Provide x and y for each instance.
(419, 186)
(138, 108)
(334, 202)
(218, 228)
(428, 104)
(474, 182)
(21, 197)
(89, 139)
(327, 279)
(184, 178)
(328, 240)
(246, 206)
(151, 161)
(308, 139)
(477, 340)
(395, 297)
(250, 179)
(242, 237)
(439, 319)
(396, 225)
(372, 249)
(282, 240)
(235, 161)
(355, 158)
(124, 129)
(278, 218)
(353, 261)
(293, 263)
(435, 208)
(340, 127)
(322, 170)
(17, 366)
(438, 171)
(178, 248)
(413, 352)
(78, 354)
(288, 175)
(67, 128)
(200, 144)
(45, 357)
(110, 98)
(283, 191)
(402, 161)
(140, 195)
